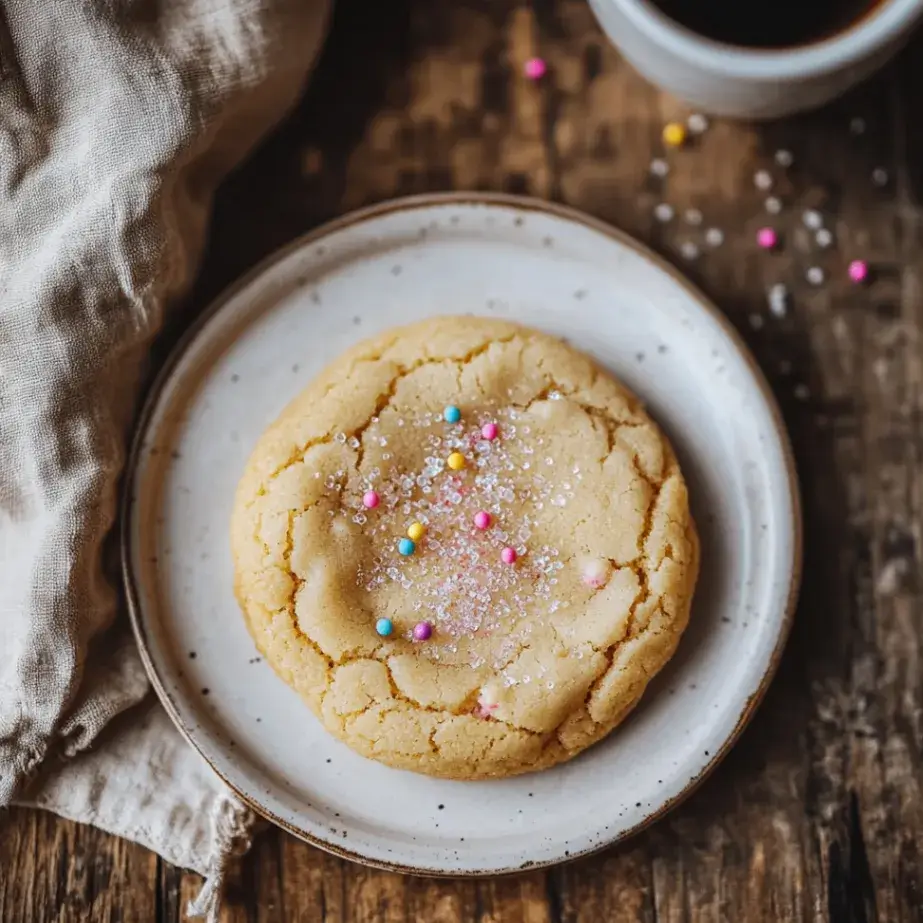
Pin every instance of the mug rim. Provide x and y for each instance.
(876, 29)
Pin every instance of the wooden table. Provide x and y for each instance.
(817, 815)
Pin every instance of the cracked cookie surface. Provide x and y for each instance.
(528, 663)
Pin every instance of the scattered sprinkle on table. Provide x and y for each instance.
(824, 238)
(857, 125)
(880, 176)
(714, 237)
(535, 68)
(693, 216)
(767, 238)
(778, 300)
(756, 321)
(858, 271)
(689, 250)
(815, 275)
(762, 179)
(813, 219)
(663, 212)
(659, 167)
(697, 123)
(674, 134)
(773, 205)
(784, 158)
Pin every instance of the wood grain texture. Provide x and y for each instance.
(817, 815)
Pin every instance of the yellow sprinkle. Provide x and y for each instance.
(674, 134)
(415, 531)
(456, 461)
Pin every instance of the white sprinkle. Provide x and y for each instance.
(880, 176)
(693, 216)
(697, 123)
(815, 275)
(773, 205)
(813, 219)
(762, 180)
(756, 321)
(784, 158)
(689, 250)
(802, 392)
(714, 237)
(664, 212)
(785, 367)
(824, 238)
(659, 167)
(857, 125)
(778, 299)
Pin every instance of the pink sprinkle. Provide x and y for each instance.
(482, 520)
(858, 271)
(767, 238)
(535, 68)
(508, 555)
(489, 431)
(370, 499)
(422, 631)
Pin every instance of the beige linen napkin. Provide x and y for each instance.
(117, 120)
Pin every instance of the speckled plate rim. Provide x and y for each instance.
(410, 203)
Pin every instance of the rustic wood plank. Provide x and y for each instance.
(817, 815)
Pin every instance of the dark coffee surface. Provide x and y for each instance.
(778, 24)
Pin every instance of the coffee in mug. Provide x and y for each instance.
(776, 24)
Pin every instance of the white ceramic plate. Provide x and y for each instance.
(545, 266)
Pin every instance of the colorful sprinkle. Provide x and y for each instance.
(815, 275)
(482, 520)
(659, 167)
(456, 461)
(490, 431)
(596, 572)
(535, 68)
(773, 205)
(384, 627)
(813, 219)
(370, 499)
(767, 238)
(415, 531)
(422, 631)
(784, 158)
(451, 414)
(664, 212)
(406, 547)
(778, 300)
(697, 123)
(674, 134)
(508, 555)
(858, 271)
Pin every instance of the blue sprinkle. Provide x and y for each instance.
(451, 414)
(384, 627)
(406, 546)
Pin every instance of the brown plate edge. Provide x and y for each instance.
(409, 203)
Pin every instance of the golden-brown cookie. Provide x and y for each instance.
(535, 560)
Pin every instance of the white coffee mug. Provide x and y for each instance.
(754, 83)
